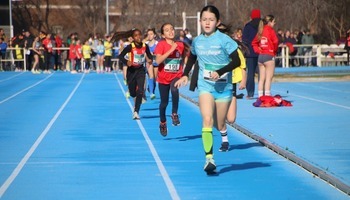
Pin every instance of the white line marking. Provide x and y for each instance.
(317, 100)
(166, 178)
(24, 160)
(321, 87)
(25, 89)
(11, 77)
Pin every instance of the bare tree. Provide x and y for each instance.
(326, 19)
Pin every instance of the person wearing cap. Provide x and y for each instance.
(249, 32)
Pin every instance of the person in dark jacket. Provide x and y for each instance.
(28, 43)
(249, 32)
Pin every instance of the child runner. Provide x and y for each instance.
(72, 56)
(37, 53)
(136, 74)
(152, 69)
(169, 56)
(217, 56)
(87, 56)
(238, 76)
(100, 50)
(79, 53)
(108, 53)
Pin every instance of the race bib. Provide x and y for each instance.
(139, 59)
(209, 69)
(172, 65)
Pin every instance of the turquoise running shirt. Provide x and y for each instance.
(212, 54)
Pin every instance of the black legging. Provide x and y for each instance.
(164, 98)
(47, 56)
(136, 82)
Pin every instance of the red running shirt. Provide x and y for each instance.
(171, 67)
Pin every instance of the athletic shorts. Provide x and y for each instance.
(225, 96)
(234, 89)
(265, 58)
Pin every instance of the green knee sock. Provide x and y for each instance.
(207, 138)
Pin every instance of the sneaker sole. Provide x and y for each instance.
(223, 150)
(164, 134)
(210, 168)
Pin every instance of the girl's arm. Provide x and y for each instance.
(243, 82)
(184, 79)
(121, 56)
(235, 62)
(190, 62)
(149, 55)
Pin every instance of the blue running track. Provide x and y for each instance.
(71, 136)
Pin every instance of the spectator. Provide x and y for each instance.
(79, 56)
(249, 32)
(188, 34)
(58, 54)
(290, 41)
(298, 36)
(47, 44)
(265, 44)
(28, 43)
(307, 39)
(280, 36)
(3, 35)
(3, 47)
(237, 34)
(18, 42)
(72, 55)
(347, 44)
(183, 38)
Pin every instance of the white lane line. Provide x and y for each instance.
(166, 178)
(322, 87)
(11, 77)
(317, 100)
(25, 89)
(24, 160)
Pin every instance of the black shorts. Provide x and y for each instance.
(265, 58)
(234, 89)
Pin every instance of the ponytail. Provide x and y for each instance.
(121, 34)
(262, 23)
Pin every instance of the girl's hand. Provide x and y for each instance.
(181, 82)
(241, 86)
(215, 76)
(129, 63)
(173, 46)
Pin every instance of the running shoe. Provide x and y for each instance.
(163, 129)
(224, 147)
(153, 96)
(210, 166)
(127, 94)
(175, 119)
(135, 116)
(144, 99)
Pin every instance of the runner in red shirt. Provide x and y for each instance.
(169, 56)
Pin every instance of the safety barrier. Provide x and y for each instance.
(324, 55)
